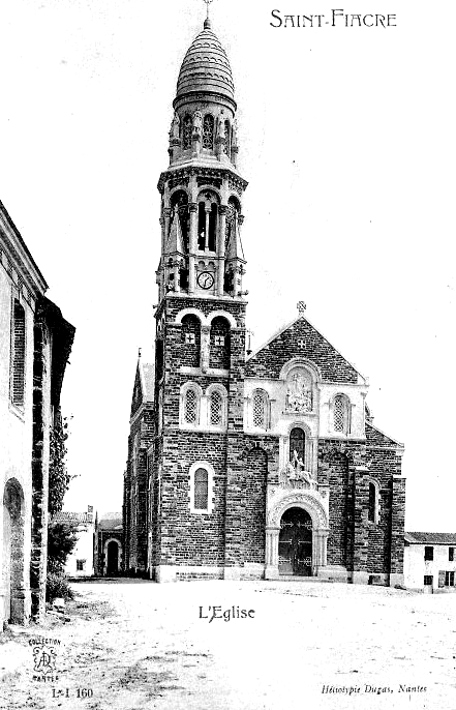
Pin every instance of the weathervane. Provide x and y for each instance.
(301, 308)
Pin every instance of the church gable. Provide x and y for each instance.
(302, 340)
(143, 389)
(137, 397)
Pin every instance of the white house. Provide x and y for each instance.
(80, 562)
(429, 560)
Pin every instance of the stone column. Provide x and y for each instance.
(397, 531)
(205, 347)
(319, 545)
(223, 209)
(358, 472)
(166, 226)
(193, 209)
(272, 553)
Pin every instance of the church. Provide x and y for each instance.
(244, 465)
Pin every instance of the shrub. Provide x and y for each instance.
(57, 587)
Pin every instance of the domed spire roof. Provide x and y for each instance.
(205, 67)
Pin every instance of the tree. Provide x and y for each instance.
(61, 542)
(62, 538)
(59, 478)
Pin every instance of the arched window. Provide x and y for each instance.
(297, 444)
(191, 341)
(216, 409)
(228, 137)
(179, 199)
(201, 490)
(187, 132)
(260, 409)
(207, 221)
(216, 403)
(341, 414)
(373, 503)
(201, 487)
(17, 381)
(191, 407)
(208, 132)
(220, 344)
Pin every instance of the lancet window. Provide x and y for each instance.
(216, 401)
(179, 201)
(207, 221)
(191, 341)
(187, 132)
(260, 409)
(341, 414)
(220, 343)
(297, 445)
(208, 131)
(201, 489)
(228, 137)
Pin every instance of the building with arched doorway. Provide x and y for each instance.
(35, 342)
(247, 465)
(108, 559)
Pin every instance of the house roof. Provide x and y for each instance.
(110, 521)
(72, 518)
(430, 538)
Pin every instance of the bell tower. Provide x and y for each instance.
(194, 484)
(201, 214)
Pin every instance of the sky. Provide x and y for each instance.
(347, 140)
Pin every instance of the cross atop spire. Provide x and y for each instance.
(207, 21)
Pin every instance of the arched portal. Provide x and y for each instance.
(112, 558)
(307, 530)
(13, 552)
(295, 543)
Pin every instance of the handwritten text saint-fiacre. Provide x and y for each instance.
(336, 18)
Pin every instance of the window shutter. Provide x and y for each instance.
(18, 355)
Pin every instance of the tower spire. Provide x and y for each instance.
(207, 21)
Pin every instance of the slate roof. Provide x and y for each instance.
(71, 518)
(147, 380)
(143, 389)
(430, 538)
(301, 339)
(110, 521)
(376, 437)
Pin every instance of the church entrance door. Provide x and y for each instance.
(295, 543)
(113, 558)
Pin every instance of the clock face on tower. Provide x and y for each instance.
(205, 280)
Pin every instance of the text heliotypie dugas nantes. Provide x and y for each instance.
(335, 18)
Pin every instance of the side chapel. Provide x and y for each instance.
(244, 466)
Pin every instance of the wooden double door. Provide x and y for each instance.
(295, 543)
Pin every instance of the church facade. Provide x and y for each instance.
(245, 465)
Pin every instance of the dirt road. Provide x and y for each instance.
(236, 646)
